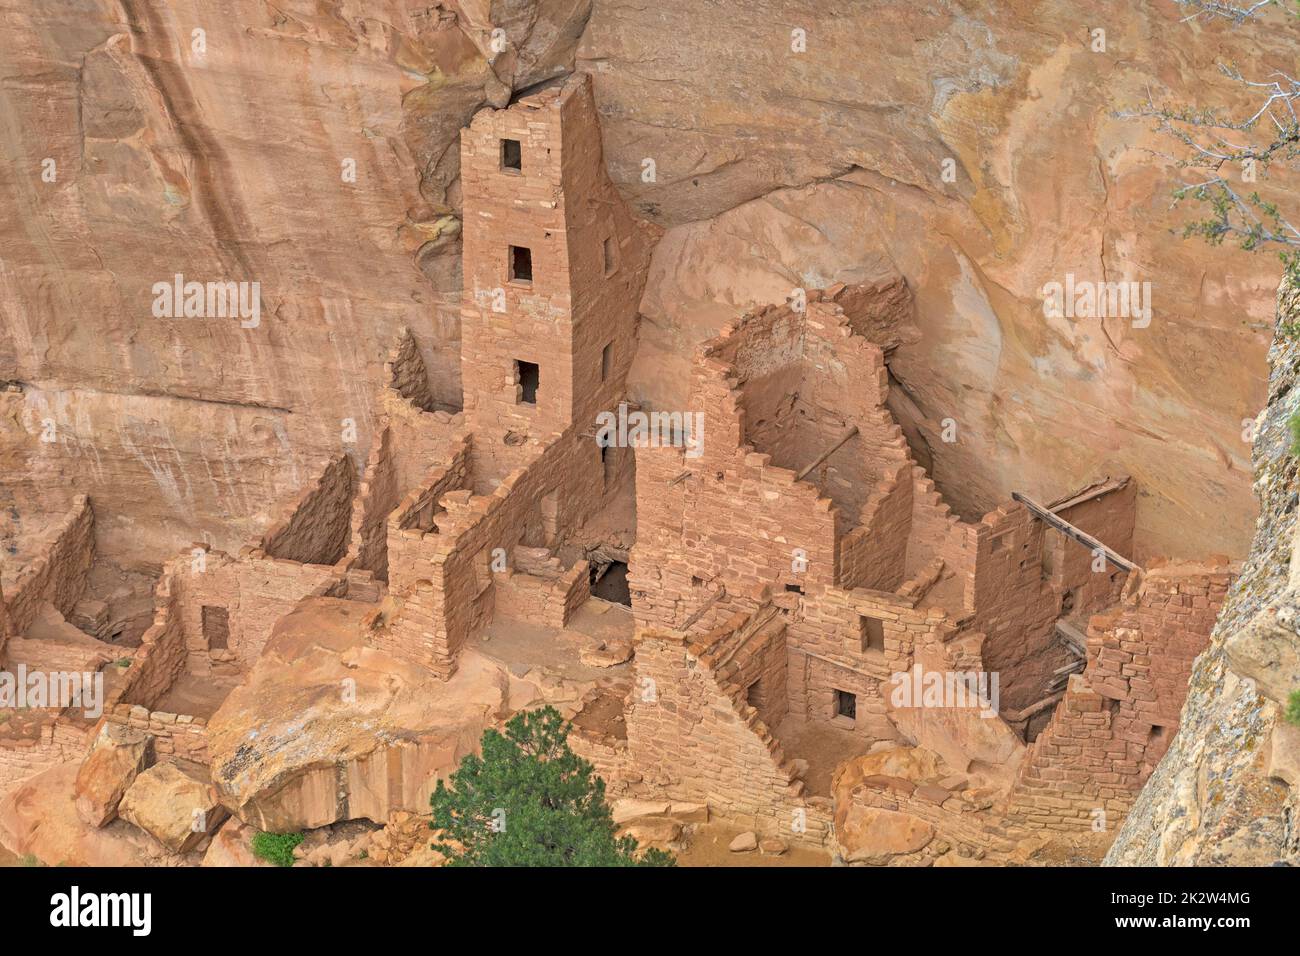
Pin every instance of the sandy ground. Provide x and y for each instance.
(708, 847)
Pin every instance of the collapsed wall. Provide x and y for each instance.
(46, 589)
(1119, 717)
(691, 730)
(57, 574)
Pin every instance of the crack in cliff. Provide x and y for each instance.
(151, 393)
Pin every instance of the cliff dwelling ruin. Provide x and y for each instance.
(757, 609)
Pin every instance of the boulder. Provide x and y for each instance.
(326, 729)
(232, 846)
(175, 804)
(117, 757)
(874, 836)
(630, 809)
(654, 831)
(38, 817)
(606, 654)
(1266, 650)
(744, 842)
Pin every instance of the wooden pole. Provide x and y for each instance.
(827, 453)
(1070, 531)
(718, 595)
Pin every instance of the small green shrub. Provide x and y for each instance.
(1293, 426)
(1293, 708)
(276, 848)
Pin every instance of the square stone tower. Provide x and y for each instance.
(554, 266)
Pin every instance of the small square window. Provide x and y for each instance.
(606, 361)
(611, 263)
(794, 589)
(846, 705)
(521, 264)
(528, 375)
(872, 632)
(512, 155)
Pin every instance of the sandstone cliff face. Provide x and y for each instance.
(228, 160)
(1227, 791)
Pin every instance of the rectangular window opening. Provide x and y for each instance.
(528, 375)
(872, 632)
(521, 264)
(216, 627)
(846, 705)
(512, 155)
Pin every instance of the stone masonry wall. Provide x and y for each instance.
(377, 496)
(1118, 718)
(698, 741)
(549, 600)
(59, 574)
(253, 589)
(828, 654)
(732, 519)
(175, 736)
(160, 658)
(58, 741)
(874, 555)
(1014, 606)
(1110, 519)
(320, 522)
(457, 561)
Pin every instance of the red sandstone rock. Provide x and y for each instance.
(39, 818)
(231, 846)
(321, 708)
(744, 842)
(875, 836)
(176, 805)
(118, 756)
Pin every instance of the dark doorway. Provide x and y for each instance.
(216, 627)
(529, 378)
(610, 584)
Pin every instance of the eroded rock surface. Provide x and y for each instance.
(326, 729)
(1220, 795)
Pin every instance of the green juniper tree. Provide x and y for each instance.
(1226, 158)
(530, 801)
